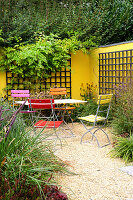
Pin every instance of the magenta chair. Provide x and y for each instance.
(23, 95)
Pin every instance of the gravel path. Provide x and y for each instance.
(98, 175)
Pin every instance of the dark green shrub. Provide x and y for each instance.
(105, 21)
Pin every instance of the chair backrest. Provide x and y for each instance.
(20, 93)
(102, 100)
(41, 103)
(58, 92)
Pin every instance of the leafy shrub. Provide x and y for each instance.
(123, 110)
(19, 189)
(105, 21)
(124, 148)
(37, 60)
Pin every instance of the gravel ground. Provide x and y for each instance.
(98, 175)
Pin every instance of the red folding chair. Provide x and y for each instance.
(50, 121)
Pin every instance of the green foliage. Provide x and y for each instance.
(104, 21)
(88, 93)
(124, 149)
(48, 54)
(1, 39)
(122, 110)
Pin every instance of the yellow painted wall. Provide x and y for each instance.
(2, 79)
(85, 67)
(2, 83)
(79, 72)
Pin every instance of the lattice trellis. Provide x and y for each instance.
(60, 79)
(114, 68)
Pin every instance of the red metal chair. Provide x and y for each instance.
(50, 121)
(45, 104)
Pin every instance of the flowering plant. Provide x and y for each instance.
(123, 109)
(88, 91)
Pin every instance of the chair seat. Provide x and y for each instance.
(64, 108)
(91, 118)
(47, 124)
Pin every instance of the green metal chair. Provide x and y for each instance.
(102, 100)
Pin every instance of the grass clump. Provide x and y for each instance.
(124, 149)
(27, 164)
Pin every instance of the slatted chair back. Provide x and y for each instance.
(23, 94)
(64, 111)
(20, 93)
(58, 92)
(40, 104)
(102, 100)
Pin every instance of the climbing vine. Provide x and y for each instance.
(48, 54)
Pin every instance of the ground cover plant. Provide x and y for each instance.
(27, 163)
(123, 148)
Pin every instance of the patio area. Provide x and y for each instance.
(98, 175)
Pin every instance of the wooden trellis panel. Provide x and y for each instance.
(60, 79)
(114, 68)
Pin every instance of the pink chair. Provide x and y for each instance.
(21, 94)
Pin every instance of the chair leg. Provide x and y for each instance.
(93, 134)
(88, 131)
(105, 134)
(67, 114)
(67, 126)
(60, 116)
(71, 133)
(58, 138)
